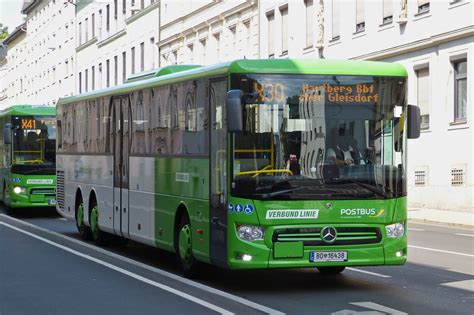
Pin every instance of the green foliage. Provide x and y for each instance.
(3, 32)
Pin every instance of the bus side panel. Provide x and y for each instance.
(142, 200)
(182, 181)
(88, 173)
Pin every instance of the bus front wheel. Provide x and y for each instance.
(84, 231)
(184, 250)
(331, 270)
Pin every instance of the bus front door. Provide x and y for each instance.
(120, 117)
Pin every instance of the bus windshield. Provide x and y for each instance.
(320, 137)
(34, 141)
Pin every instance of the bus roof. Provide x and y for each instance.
(29, 110)
(177, 73)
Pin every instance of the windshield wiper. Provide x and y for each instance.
(279, 192)
(366, 186)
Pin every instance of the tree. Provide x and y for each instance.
(3, 32)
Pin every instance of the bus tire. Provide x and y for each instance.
(99, 237)
(184, 251)
(84, 231)
(331, 270)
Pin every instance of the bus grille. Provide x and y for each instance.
(42, 191)
(345, 236)
(60, 189)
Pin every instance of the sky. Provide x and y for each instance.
(10, 14)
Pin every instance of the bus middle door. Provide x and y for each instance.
(121, 118)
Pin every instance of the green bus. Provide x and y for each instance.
(248, 164)
(28, 156)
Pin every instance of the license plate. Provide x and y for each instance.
(327, 256)
(51, 202)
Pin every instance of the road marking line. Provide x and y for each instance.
(460, 234)
(412, 229)
(467, 285)
(161, 272)
(126, 272)
(378, 307)
(441, 251)
(368, 272)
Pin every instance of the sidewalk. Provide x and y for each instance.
(441, 216)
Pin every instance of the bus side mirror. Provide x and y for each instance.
(234, 111)
(414, 122)
(7, 133)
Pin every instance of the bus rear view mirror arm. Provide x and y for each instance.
(414, 121)
(7, 133)
(234, 111)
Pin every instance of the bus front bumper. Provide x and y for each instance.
(248, 255)
(27, 201)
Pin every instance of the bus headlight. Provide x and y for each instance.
(250, 233)
(395, 230)
(19, 190)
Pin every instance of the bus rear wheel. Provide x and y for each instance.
(99, 237)
(184, 249)
(84, 231)
(331, 270)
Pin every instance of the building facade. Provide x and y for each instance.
(13, 69)
(115, 40)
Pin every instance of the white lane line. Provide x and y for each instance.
(161, 272)
(441, 225)
(378, 307)
(368, 272)
(441, 251)
(412, 229)
(460, 234)
(125, 272)
(467, 285)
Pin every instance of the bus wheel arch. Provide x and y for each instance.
(183, 243)
(79, 208)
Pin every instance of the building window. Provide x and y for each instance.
(115, 9)
(107, 18)
(124, 66)
(423, 6)
(80, 82)
(93, 77)
(460, 90)
(107, 73)
(309, 22)
(271, 34)
(457, 176)
(360, 16)
(335, 20)
(203, 50)
(93, 25)
(100, 23)
(153, 50)
(132, 57)
(87, 29)
(124, 7)
(80, 33)
(115, 70)
(86, 77)
(284, 30)
(191, 52)
(100, 75)
(420, 177)
(233, 39)
(423, 95)
(142, 56)
(387, 11)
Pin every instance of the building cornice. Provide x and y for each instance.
(86, 44)
(15, 34)
(28, 5)
(143, 12)
(112, 38)
(199, 26)
(431, 41)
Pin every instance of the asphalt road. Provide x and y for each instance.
(46, 269)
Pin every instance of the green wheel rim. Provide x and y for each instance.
(95, 221)
(185, 248)
(80, 216)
